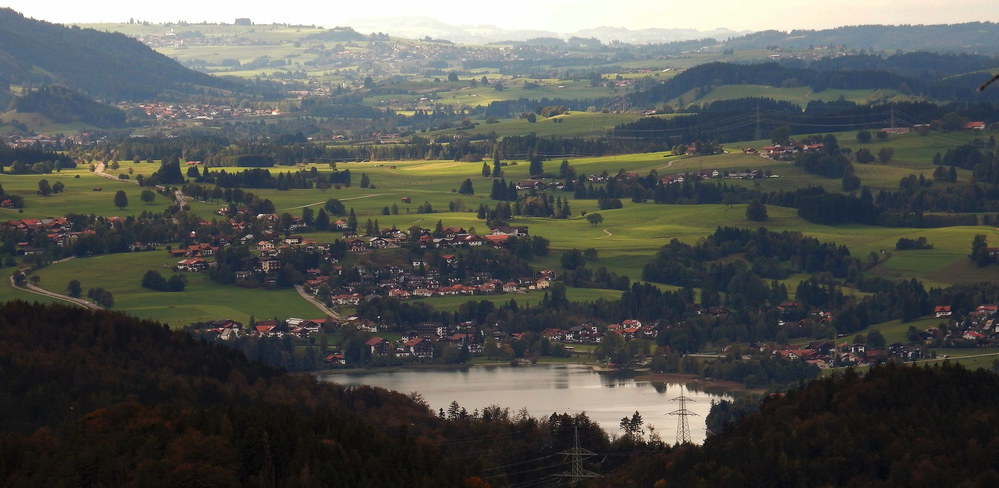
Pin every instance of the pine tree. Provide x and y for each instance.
(537, 167)
(499, 190)
(352, 221)
(322, 220)
(466, 187)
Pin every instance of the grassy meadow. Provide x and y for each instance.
(201, 300)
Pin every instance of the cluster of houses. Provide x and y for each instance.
(829, 354)
(784, 152)
(418, 279)
(424, 341)
(449, 237)
(46, 141)
(196, 111)
(55, 230)
(590, 334)
(540, 185)
(421, 282)
(979, 328)
(427, 339)
(710, 173)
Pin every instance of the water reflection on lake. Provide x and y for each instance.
(544, 389)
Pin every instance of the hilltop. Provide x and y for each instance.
(104, 65)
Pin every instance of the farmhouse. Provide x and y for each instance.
(192, 264)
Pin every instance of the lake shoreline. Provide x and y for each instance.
(694, 381)
(691, 380)
(544, 389)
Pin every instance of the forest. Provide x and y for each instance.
(893, 426)
(98, 398)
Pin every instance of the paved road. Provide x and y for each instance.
(42, 291)
(311, 299)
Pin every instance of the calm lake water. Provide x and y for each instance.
(544, 389)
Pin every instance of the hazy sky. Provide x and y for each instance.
(552, 15)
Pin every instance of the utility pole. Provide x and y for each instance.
(575, 457)
(682, 427)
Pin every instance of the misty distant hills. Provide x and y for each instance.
(420, 27)
(972, 37)
(104, 65)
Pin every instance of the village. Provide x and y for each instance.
(438, 268)
(427, 341)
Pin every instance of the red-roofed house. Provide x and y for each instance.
(378, 346)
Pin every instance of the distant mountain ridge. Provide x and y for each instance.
(104, 65)
(971, 37)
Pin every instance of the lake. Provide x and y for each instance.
(545, 389)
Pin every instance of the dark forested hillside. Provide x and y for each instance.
(95, 398)
(61, 105)
(935, 76)
(109, 66)
(896, 426)
(971, 37)
(102, 399)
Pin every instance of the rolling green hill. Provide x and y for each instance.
(108, 66)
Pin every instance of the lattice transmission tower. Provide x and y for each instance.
(575, 456)
(682, 427)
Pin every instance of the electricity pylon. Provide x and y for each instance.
(575, 457)
(682, 427)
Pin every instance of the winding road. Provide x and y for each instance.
(42, 291)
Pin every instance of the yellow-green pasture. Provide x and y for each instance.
(577, 123)
(797, 95)
(81, 196)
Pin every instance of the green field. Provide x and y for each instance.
(202, 299)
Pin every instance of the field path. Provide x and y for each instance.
(99, 171)
(42, 291)
(606, 231)
(309, 298)
(342, 200)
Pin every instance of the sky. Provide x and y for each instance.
(549, 15)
